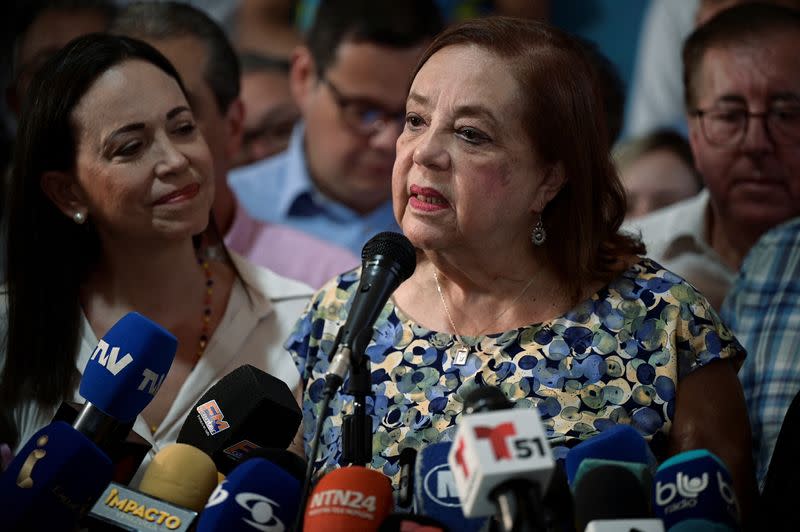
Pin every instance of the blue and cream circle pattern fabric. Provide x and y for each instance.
(615, 358)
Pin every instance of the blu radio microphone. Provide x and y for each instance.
(53, 480)
(350, 498)
(621, 443)
(435, 490)
(501, 462)
(123, 374)
(693, 491)
(174, 489)
(244, 410)
(388, 259)
(611, 498)
(257, 495)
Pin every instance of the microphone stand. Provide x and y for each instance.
(519, 506)
(357, 427)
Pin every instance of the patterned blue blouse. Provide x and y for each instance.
(615, 358)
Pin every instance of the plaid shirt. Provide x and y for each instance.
(763, 310)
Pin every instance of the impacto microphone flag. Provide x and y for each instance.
(350, 498)
(693, 491)
(124, 373)
(174, 488)
(53, 480)
(257, 495)
(435, 490)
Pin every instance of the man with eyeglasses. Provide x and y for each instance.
(742, 88)
(350, 81)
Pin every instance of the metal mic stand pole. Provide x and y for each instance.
(357, 427)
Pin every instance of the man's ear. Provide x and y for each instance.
(302, 77)
(554, 180)
(234, 122)
(64, 192)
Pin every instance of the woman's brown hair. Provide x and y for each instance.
(564, 117)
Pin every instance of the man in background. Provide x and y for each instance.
(270, 111)
(350, 80)
(742, 83)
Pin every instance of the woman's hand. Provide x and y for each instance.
(710, 413)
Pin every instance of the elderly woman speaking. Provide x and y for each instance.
(504, 185)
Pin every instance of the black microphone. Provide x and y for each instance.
(612, 494)
(777, 497)
(388, 259)
(246, 409)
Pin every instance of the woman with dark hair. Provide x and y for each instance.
(504, 183)
(112, 184)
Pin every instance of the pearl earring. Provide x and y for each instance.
(79, 217)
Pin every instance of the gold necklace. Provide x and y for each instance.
(462, 349)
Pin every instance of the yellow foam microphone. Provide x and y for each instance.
(180, 474)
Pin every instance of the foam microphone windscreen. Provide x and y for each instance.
(693, 490)
(257, 495)
(245, 409)
(435, 491)
(128, 366)
(53, 480)
(350, 498)
(180, 474)
(174, 488)
(620, 442)
(609, 492)
(286, 460)
(638, 469)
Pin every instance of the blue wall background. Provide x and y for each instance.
(613, 25)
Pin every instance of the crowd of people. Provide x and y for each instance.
(225, 190)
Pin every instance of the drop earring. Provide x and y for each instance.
(538, 235)
(79, 218)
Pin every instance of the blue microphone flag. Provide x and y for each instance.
(435, 492)
(621, 443)
(128, 366)
(53, 480)
(694, 490)
(257, 495)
